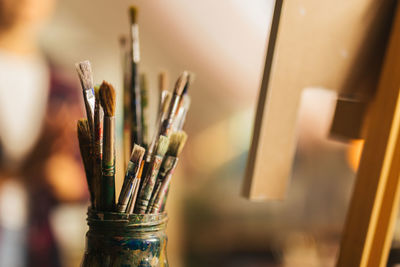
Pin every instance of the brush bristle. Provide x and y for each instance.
(187, 85)
(84, 138)
(165, 103)
(181, 83)
(84, 130)
(97, 93)
(107, 98)
(137, 154)
(162, 145)
(84, 70)
(177, 141)
(163, 81)
(133, 14)
(122, 40)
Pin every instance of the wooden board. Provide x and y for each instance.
(368, 232)
(331, 44)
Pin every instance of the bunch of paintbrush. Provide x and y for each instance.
(98, 149)
(162, 184)
(151, 164)
(149, 172)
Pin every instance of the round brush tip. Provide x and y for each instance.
(133, 14)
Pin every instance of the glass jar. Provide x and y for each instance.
(122, 240)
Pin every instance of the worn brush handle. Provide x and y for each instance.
(154, 196)
(166, 124)
(132, 200)
(164, 202)
(125, 195)
(108, 165)
(161, 194)
(148, 186)
(167, 168)
(108, 192)
(127, 187)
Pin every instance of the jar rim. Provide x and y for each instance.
(124, 220)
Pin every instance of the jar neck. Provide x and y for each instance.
(112, 223)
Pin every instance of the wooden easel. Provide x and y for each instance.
(368, 231)
(334, 44)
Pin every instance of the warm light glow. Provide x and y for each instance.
(354, 153)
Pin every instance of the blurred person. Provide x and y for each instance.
(39, 161)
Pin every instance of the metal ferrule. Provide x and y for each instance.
(132, 170)
(149, 155)
(168, 164)
(98, 132)
(89, 95)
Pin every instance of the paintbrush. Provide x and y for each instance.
(97, 146)
(125, 62)
(178, 90)
(162, 87)
(180, 117)
(144, 104)
(98, 118)
(84, 70)
(85, 147)
(187, 85)
(161, 116)
(173, 151)
(151, 176)
(132, 172)
(107, 100)
(176, 143)
(135, 190)
(136, 109)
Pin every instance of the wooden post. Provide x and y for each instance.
(368, 231)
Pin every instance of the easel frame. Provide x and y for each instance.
(368, 231)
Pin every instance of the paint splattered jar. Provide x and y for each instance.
(119, 239)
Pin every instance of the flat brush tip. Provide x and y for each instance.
(83, 129)
(82, 124)
(181, 83)
(163, 81)
(84, 70)
(133, 14)
(107, 98)
(162, 145)
(137, 153)
(166, 99)
(189, 81)
(177, 141)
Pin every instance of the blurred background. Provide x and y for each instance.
(43, 195)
